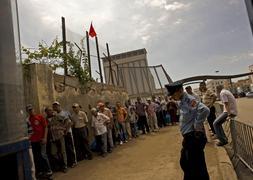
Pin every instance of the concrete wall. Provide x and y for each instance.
(38, 86)
(42, 87)
(95, 92)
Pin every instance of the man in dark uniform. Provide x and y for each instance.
(192, 116)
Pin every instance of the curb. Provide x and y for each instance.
(225, 165)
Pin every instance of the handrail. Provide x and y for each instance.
(242, 142)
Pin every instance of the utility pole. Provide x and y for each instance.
(88, 51)
(110, 62)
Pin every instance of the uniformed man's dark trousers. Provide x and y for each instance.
(192, 159)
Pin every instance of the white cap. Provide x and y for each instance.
(56, 102)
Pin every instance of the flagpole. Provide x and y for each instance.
(110, 63)
(88, 51)
(99, 62)
(64, 47)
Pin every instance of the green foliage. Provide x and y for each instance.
(74, 65)
(53, 56)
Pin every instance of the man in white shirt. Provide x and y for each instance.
(151, 110)
(108, 113)
(98, 124)
(80, 121)
(230, 110)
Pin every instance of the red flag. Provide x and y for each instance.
(92, 31)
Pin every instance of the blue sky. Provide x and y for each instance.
(187, 37)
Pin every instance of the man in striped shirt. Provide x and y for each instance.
(208, 98)
(57, 131)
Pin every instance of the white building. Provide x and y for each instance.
(214, 84)
(128, 71)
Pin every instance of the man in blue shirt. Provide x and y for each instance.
(192, 116)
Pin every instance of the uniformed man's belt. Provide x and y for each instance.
(189, 134)
(194, 133)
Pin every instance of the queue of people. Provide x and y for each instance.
(60, 138)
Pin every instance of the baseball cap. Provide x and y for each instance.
(93, 110)
(29, 107)
(100, 104)
(56, 102)
(75, 105)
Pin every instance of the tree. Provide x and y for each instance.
(53, 56)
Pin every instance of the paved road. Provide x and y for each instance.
(245, 110)
(149, 157)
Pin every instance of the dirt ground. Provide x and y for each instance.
(149, 157)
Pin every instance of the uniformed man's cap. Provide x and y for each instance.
(173, 87)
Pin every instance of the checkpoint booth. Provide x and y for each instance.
(14, 144)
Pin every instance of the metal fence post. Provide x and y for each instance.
(233, 136)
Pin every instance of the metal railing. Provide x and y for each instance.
(240, 136)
